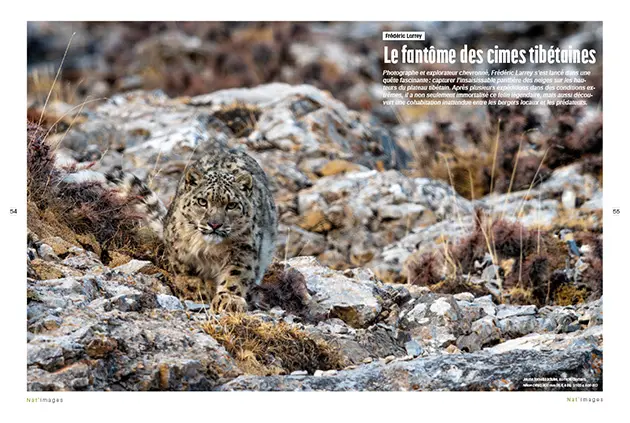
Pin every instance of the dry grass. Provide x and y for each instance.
(513, 150)
(85, 214)
(569, 295)
(532, 264)
(266, 348)
(578, 222)
(42, 86)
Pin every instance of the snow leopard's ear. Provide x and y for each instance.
(192, 177)
(245, 181)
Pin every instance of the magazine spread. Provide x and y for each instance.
(314, 206)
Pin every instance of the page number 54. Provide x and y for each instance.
(12, 212)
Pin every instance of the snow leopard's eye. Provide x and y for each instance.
(202, 202)
(231, 206)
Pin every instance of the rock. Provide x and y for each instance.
(41, 269)
(442, 307)
(335, 167)
(294, 241)
(380, 341)
(559, 319)
(478, 371)
(486, 304)
(487, 330)
(46, 252)
(569, 199)
(413, 348)
(456, 222)
(593, 312)
(47, 357)
(540, 205)
(357, 345)
(516, 326)
(137, 266)
(484, 331)
(100, 347)
(471, 311)
(169, 302)
(352, 300)
(491, 273)
(59, 246)
(373, 209)
(389, 263)
(434, 322)
(452, 349)
(116, 336)
(142, 352)
(86, 263)
(125, 302)
(39, 324)
(196, 307)
(504, 311)
(401, 211)
(464, 296)
(303, 118)
(595, 203)
(592, 336)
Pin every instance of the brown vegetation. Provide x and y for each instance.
(282, 287)
(532, 264)
(266, 348)
(86, 214)
(516, 149)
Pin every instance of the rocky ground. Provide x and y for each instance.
(101, 328)
(428, 254)
(110, 321)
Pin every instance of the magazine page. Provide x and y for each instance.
(312, 205)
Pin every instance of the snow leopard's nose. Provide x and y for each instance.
(215, 225)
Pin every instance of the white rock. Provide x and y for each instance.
(134, 266)
(417, 312)
(486, 304)
(398, 211)
(568, 199)
(46, 252)
(169, 302)
(440, 306)
(511, 310)
(353, 300)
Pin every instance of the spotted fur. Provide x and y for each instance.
(222, 227)
(144, 200)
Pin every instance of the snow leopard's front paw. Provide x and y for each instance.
(224, 302)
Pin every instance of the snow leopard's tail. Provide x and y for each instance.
(145, 201)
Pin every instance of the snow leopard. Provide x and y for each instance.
(220, 229)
